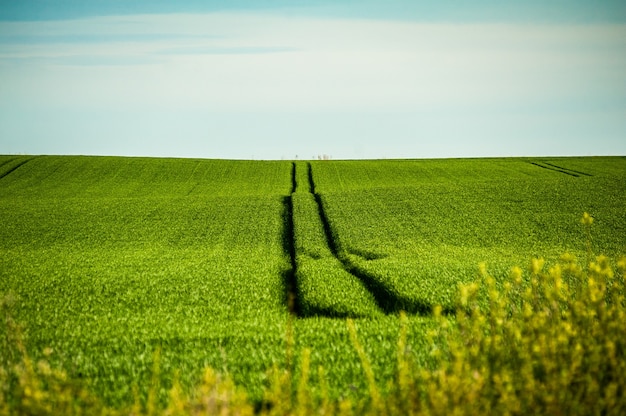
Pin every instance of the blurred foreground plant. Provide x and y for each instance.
(551, 343)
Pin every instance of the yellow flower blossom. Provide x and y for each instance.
(586, 219)
(536, 265)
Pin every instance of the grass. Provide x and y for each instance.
(324, 286)
(155, 253)
(541, 346)
(111, 259)
(423, 227)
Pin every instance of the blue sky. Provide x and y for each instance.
(286, 79)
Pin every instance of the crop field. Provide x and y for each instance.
(240, 265)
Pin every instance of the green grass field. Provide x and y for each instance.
(214, 262)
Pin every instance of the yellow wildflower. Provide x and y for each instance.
(586, 219)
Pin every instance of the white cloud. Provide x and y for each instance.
(446, 80)
(257, 62)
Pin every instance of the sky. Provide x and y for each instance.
(277, 79)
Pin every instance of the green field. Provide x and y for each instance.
(213, 261)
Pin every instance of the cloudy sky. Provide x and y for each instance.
(285, 79)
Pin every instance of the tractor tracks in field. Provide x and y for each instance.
(560, 169)
(13, 168)
(289, 276)
(387, 300)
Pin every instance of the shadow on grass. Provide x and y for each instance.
(388, 300)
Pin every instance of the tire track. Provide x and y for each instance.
(386, 298)
(9, 160)
(560, 169)
(325, 288)
(14, 168)
(567, 169)
(289, 276)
